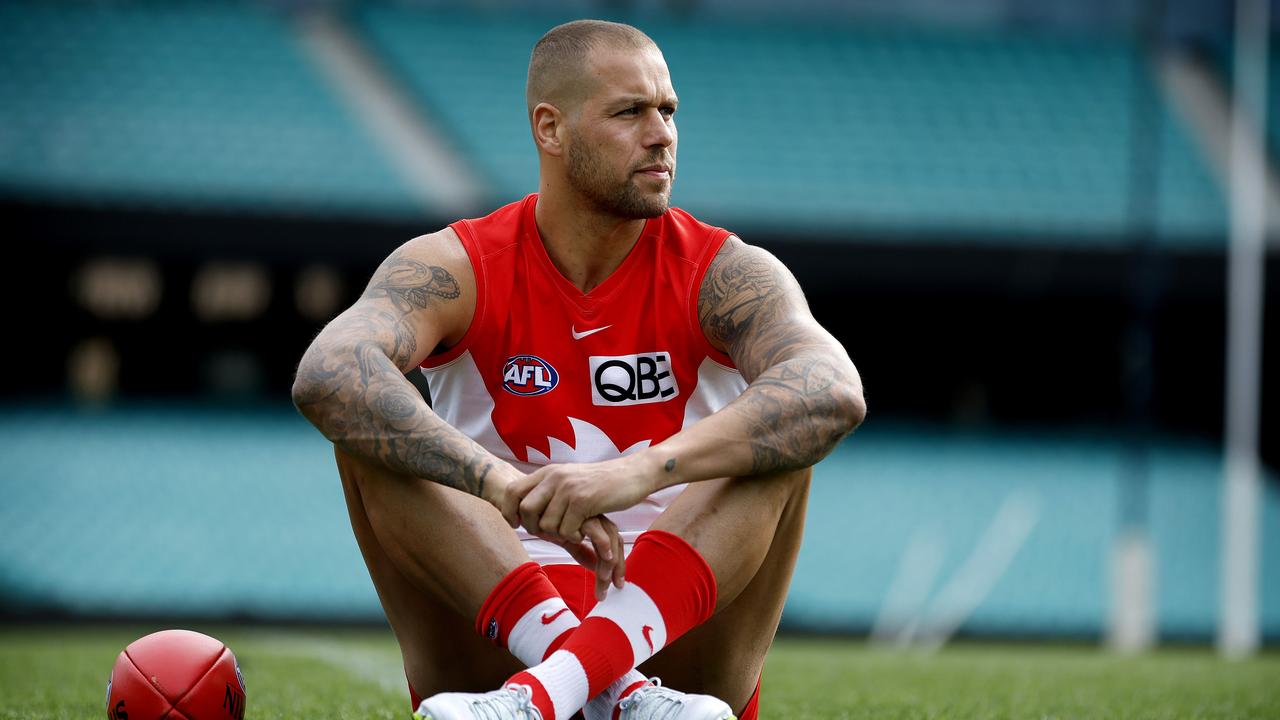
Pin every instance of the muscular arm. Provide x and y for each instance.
(803, 396)
(351, 385)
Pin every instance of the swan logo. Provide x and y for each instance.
(528, 375)
(590, 444)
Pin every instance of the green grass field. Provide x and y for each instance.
(49, 673)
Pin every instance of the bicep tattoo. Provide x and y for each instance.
(410, 284)
(745, 306)
(735, 290)
(351, 383)
(797, 406)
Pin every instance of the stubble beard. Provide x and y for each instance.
(620, 198)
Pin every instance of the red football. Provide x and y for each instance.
(176, 675)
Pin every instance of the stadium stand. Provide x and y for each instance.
(1222, 58)
(247, 509)
(1012, 150)
(468, 71)
(786, 126)
(188, 104)
(812, 127)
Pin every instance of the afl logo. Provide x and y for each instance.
(528, 375)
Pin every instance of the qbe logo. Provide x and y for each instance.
(632, 379)
(528, 375)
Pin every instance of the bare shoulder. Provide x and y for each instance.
(426, 270)
(427, 282)
(744, 288)
(442, 247)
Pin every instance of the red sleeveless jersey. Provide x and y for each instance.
(549, 374)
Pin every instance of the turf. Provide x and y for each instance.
(50, 673)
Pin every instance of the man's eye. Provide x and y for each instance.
(667, 111)
(633, 110)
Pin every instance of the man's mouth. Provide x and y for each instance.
(657, 170)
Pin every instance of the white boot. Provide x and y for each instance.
(514, 702)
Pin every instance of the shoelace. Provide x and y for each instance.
(517, 699)
(659, 703)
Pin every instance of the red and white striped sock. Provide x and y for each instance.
(669, 590)
(525, 614)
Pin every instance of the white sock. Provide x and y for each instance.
(601, 706)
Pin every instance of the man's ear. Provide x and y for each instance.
(548, 128)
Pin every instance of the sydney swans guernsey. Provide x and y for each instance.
(549, 374)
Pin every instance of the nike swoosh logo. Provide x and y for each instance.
(547, 619)
(579, 335)
(645, 630)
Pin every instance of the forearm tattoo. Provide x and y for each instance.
(351, 382)
(803, 396)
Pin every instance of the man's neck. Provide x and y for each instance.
(586, 246)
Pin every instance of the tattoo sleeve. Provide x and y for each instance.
(351, 385)
(804, 395)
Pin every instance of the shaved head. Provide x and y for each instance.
(558, 66)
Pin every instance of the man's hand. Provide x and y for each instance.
(565, 504)
(557, 499)
(595, 545)
(601, 552)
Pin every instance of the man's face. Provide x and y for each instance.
(621, 153)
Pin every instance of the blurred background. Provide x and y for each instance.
(1018, 216)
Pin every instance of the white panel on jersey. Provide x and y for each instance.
(460, 398)
(457, 386)
(590, 444)
(717, 386)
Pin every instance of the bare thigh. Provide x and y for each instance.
(433, 555)
(749, 530)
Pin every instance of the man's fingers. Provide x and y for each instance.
(602, 544)
(607, 543)
(533, 506)
(551, 518)
(570, 524)
(617, 573)
(581, 554)
(516, 492)
(602, 588)
(600, 537)
(620, 561)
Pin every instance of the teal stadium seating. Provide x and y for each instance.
(1224, 57)
(203, 512)
(184, 103)
(847, 129)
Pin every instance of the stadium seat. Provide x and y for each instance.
(193, 104)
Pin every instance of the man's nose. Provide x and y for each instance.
(661, 130)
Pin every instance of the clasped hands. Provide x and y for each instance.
(565, 504)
